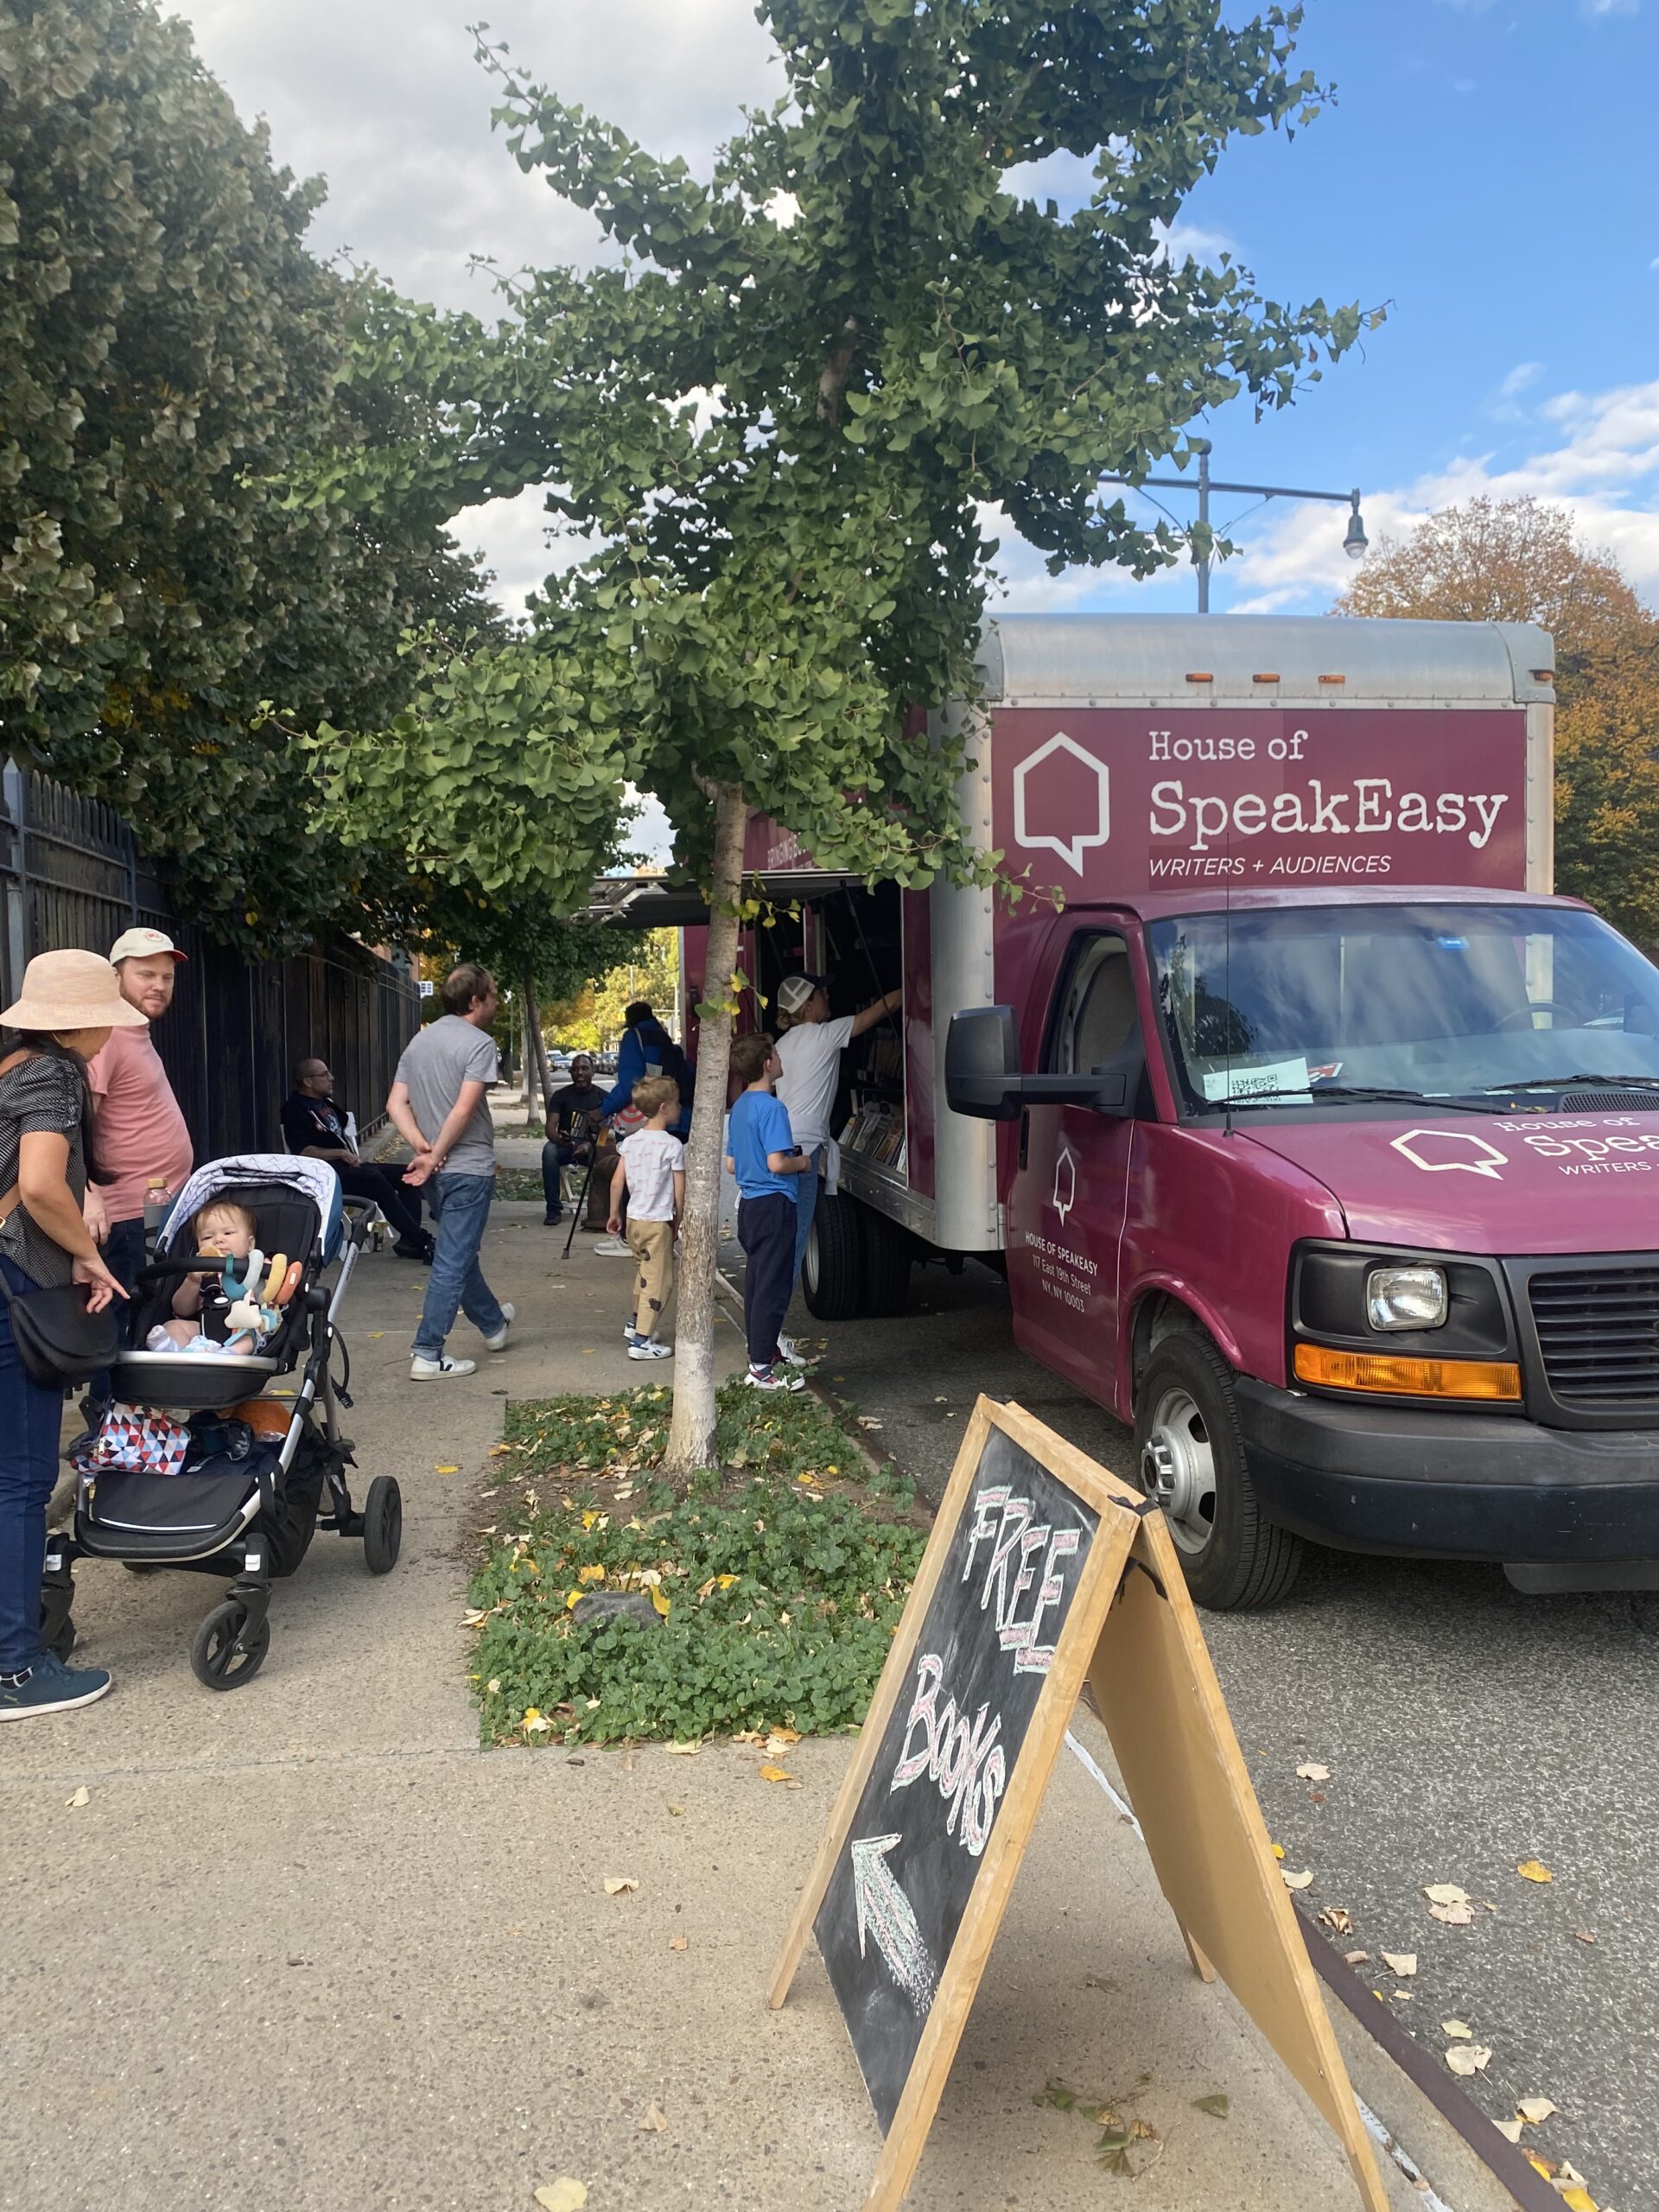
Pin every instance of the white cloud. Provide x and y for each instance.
(383, 98)
(1604, 469)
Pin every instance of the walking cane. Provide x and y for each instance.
(582, 1203)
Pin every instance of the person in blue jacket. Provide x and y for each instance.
(647, 1049)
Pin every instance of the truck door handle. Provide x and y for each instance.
(1024, 1135)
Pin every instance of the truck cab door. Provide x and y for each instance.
(1069, 1184)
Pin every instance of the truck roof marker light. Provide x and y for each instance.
(1271, 677)
(1333, 679)
(1388, 1375)
(1543, 676)
(1199, 675)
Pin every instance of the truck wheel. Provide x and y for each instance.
(888, 1254)
(1190, 1455)
(832, 1273)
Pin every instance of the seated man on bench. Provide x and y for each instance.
(314, 1124)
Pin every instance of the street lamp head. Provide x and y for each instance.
(1355, 542)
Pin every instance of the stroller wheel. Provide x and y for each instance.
(216, 1659)
(141, 1566)
(383, 1525)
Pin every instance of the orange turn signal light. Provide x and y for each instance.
(1395, 1377)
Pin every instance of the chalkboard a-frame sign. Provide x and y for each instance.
(1025, 1589)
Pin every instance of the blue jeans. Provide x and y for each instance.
(555, 1158)
(806, 1204)
(456, 1283)
(30, 1416)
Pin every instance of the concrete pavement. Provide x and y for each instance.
(306, 1945)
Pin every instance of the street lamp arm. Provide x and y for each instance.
(1203, 483)
(1259, 491)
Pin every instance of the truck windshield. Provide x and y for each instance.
(1281, 1007)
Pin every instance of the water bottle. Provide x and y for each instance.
(158, 1203)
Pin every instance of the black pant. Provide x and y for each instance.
(766, 1229)
(397, 1200)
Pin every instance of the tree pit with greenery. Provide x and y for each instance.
(778, 1575)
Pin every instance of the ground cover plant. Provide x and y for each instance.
(773, 1580)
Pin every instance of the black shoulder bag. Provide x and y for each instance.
(58, 1340)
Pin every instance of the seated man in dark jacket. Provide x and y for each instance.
(574, 1114)
(313, 1125)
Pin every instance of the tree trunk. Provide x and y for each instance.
(691, 1438)
(535, 1054)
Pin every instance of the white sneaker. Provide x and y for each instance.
(613, 1248)
(422, 1370)
(651, 1350)
(629, 1332)
(768, 1378)
(498, 1341)
(791, 1353)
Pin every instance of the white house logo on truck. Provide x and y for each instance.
(1075, 831)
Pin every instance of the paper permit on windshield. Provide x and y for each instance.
(1285, 1079)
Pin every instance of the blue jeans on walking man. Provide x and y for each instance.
(456, 1283)
(30, 1416)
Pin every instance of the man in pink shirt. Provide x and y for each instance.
(139, 1134)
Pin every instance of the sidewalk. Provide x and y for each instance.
(306, 1945)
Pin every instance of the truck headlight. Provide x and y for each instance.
(1406, 1298)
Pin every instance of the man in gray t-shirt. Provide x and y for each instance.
(440, 1104)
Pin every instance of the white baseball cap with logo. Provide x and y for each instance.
(142, 945)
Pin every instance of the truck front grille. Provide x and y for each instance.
(1599, 1331)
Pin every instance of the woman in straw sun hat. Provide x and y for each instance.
(69, 1003)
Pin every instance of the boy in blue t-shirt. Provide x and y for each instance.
(766, 1160)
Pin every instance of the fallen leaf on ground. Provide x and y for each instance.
(1278, 1850)
(1578, 2198)
(616, 1884)
(375, 1335)
(653, 2121)
(446, 1470)
(1446, 1893)
(497, 1450)
(1400, 1962)
(1534, 1870)
(533, 1720)
(677, 1942)
(1547, 2167)
(1458, 2028)
(1466, 2058)
(660, 1603)
(82, 1797)
(1451, 1916)
(1509, 2129)
(1585, 1935)
(562, 2195)
(688, 1749)
(783, 1736)
(677, 1810)
(776, 1774)
(1312, 1772)
(1298, 1881)
(1535, 2110)
(1339, 1917)
(1356, 1958)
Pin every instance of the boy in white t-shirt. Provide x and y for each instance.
(650, 1169)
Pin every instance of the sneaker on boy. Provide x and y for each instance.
(768, 1378)
(650, 1347)
(50, 1687)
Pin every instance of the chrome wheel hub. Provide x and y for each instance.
(1178, 1469)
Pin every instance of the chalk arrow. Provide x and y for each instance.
(884, 1912)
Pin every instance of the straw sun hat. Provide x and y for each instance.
(71, 990)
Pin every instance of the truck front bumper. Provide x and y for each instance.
(1451, 1485)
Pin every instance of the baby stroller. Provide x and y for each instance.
(258, 1479)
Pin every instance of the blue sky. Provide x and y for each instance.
(1489, 170)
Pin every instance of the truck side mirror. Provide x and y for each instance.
(981, 1064)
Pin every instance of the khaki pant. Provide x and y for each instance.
(652, 1245)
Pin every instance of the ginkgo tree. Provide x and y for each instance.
(787, 419)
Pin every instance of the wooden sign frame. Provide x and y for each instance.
(1135, 1636)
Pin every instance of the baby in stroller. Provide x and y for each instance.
(242, 1500)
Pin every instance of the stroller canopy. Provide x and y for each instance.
(313, 1179)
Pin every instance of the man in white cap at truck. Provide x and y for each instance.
(810, 1051)
(140, 1132)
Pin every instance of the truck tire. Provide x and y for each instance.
(888, 1254)
(832, 1273)
(1189, 1456)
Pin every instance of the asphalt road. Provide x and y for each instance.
(1467, 1728)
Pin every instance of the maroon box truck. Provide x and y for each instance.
(1317, 1141)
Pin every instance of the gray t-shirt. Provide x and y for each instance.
(436, 1062)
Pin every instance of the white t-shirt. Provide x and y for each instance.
(810, 1053)
(653, 1159)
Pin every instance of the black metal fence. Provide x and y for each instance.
(72, 875)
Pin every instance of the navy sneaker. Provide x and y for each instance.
(50, 1687)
